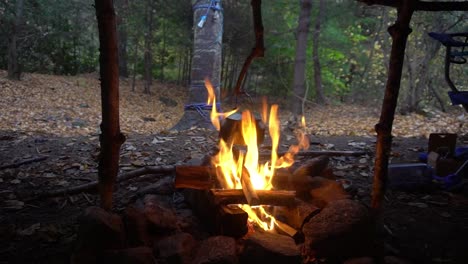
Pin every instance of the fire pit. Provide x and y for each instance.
(253, 206)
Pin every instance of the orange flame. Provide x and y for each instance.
(229, 168)
(215, 116)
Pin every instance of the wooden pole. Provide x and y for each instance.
(110, 139)
(399, 33)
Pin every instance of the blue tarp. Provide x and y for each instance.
(458, 98)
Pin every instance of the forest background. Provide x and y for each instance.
(155, 42)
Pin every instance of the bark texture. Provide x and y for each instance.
(320, 96)
(111, 139)
(13, 64)
(300, 61)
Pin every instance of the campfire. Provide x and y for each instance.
(255, 203)
(238, 182)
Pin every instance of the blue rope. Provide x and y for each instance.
(201, 108)
(214, 4)
(215, 8)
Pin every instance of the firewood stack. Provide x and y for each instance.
(314, 220)
(294, 199)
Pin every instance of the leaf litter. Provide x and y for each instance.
(60, 115)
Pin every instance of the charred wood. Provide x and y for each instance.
(231, 221)
(265, 197)
(248, 189)
(195, 177)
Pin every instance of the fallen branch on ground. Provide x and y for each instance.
(92, 186)
(26, 161)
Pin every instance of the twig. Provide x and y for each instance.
(92, 186)
(27, 161)
(313, 153)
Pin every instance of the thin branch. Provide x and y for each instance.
(258, 50)
(92, 186)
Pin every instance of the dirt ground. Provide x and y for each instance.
(424, 225)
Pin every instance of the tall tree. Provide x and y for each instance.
(299, 91)
(206, 62)
(13, 64)
(320, 96)
(122, 8)
(148, 54)
(111, 139)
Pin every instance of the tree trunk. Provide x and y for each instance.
(13, 64)
(148, 56)
(163, 51)
(206, 62)
(399, 33)
(135, 60)
(179, 68)
(300, 62)
(233, 71)
(418, 71)
(320, 96)
(184, 69)
(110, 139)
(122, 37)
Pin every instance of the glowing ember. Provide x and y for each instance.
(229, 168)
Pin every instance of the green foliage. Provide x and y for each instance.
(61, 37)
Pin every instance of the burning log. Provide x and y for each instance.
(231, 221)
(301, 179)
(313, 167)
(298, 236)
(315, 153)
(248, 189)
(195, 177)
(218, 218)
(265, 197)
(231, 130)
(296, 215)
(282, 179)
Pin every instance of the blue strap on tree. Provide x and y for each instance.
(201, 108)
(214, 5)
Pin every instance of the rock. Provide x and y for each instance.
(323, 191)
(98, 231)
(312, 167)
(296, 215)
(343, 229)
(161, 219)
(261, 247)
(217, 250)
(177, 248)
(137, 226)
(395, 260)
(138, 255)
(163, 186)
(362, 260)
